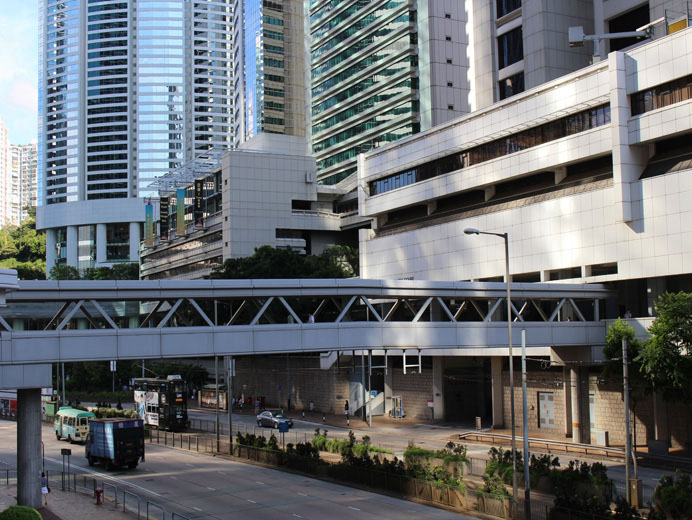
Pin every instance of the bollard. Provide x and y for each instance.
(99, 494)
(324, 420)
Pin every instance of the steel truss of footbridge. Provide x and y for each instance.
(53, 321)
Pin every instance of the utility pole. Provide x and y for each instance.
(216, 373)
(527, 476)
(628, 439)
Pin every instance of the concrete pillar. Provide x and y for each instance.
(388, 388)
(655, 287)
(438, 393)
(568, 401)
(628, 161)
(72, 246)
(29, 447)
(134, 241)
(101, 250)
(51, 252)
(576, 404)
(497, 392)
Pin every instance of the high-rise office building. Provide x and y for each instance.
(382, 71)
(128, 90)
(269, 57)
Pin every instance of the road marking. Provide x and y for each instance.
(297, 516)
(211, 489)
(221, 472)
(354, 508)
(258, 482)
(174, 478)
(251, 501)
(197, 509)
(103, 475)
(191, 465)
(302, 494)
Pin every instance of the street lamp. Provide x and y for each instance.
(505, 236)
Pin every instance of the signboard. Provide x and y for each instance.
(149, 225)
(164, 207)
(180, 211)
(112, 366)
(198, 214)
(431, 404)
(283, 427)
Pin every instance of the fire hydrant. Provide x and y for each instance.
(99, 495)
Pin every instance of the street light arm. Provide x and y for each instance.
(474, 231)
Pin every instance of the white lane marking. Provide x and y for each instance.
(174, 478)
(302, 494)
(191, 465)
(258, 482)
(297, 516)
(251, 501)
(211, 489)
(221, 472)
(197, 509)
(103, 475)
(354, 508)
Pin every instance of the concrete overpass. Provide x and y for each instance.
(42, 322)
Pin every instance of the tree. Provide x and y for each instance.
(129, 271)
(64, 272)
(639, 386)
(24, 249)
(666, 358)
(270, 262)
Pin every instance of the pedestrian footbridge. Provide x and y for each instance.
(63, 321)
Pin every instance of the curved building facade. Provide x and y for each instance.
(127, 91)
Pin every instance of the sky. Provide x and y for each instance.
(19, 69)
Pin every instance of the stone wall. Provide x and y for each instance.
(273, 376)
(415, 390)
(535, 382)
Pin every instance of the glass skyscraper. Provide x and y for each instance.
(128, 90)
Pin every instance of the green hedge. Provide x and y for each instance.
(20, 513)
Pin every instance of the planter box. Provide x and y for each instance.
(499, 507)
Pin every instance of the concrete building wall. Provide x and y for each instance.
(415, 389)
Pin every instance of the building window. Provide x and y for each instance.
(661, 95)
(625, 23)
(510, 47)
(448, 16)
(507, 6)
(117, 242)
(511, 86)
(448, 38)
(449, 60)
(450, 84)
(450, 107)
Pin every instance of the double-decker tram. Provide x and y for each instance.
(162, 403)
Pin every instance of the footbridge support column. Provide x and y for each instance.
(29, 447)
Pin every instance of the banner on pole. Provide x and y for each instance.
(149, 225)
(198, 214)
(164, 205)
(180, 211)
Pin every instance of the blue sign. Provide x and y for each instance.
(283, 427)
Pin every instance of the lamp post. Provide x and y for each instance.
(505, 236)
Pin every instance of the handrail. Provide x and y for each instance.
(115, 490)
(547, 443)
(154, 504)
(125, 493)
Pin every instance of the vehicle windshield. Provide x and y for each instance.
(279, 415)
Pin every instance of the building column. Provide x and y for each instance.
(388, 387)
(51, 252)
(438, 393)
(497, 392)
(101, 244)
(134, 241)
(29, 447)
(568, 401)
(576, 404)
(72, 246)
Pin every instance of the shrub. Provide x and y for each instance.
(20, 513)
(673, 497)
(105, 413)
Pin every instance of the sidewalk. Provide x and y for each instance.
(66, 505)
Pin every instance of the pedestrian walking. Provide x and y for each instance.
(44, 488)
(312, 408)
(348, 419)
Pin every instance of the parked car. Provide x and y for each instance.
(272, 419)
